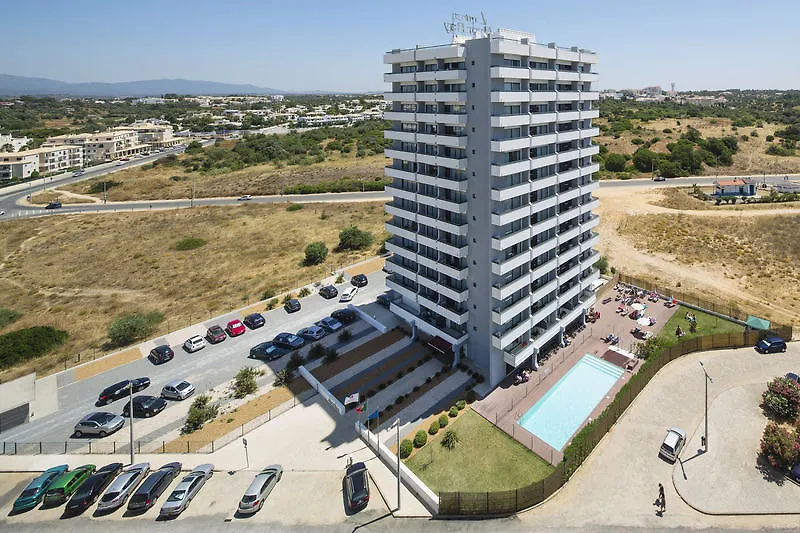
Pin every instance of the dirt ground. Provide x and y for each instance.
(750, 159)
(79, 272)
(172, 182)
(748, 254)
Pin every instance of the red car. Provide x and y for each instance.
(215, 334)
(235, 328)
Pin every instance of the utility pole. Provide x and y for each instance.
(194, 184)
(397, 423)
(705, 434)
(105, 196)
(130, 413)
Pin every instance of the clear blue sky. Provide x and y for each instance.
(328, 45)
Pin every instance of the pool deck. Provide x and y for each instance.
(506, 404)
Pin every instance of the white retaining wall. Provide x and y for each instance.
(317, 386)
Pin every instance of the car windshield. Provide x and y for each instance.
(84, 491)
(176, 496)
(27, 493)
(357, 479)
(148, 402)
(247, 498)
(183, 385)
(109, 496)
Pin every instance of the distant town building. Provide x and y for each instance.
(16, 143)
(45, 160)
(153, 135)
(705, 101)
(788, 187)
(735, 187)
(103, 146)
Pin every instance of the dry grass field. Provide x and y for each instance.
(751, 158)
(166, 183)
(747, 254)
(79, 272)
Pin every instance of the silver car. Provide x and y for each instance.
(256, 494)
(312, 332)
(186, 489)
(178, 389)
(122, 487)
(100, 424)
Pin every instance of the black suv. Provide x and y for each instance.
(292, 306)
(119, 390)
(359, 280)
(92, 488)
(345, 316)
(254, 321)
(328, 292)
(53, 205)
(356, 485)
(144, 406)
(161, 354)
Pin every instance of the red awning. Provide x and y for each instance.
(440, 345)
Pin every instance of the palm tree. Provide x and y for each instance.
(450, 439)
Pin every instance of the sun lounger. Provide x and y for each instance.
(631, 364)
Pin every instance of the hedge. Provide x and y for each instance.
(406, 447)
(443, 421)
(420, 439)
(23, 344)
(434, 428)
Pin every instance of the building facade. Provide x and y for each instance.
(47, 159)
(491, 162)
(103, 146)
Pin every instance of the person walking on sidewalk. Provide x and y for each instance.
(661, 500)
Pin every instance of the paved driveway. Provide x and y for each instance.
(618, 484)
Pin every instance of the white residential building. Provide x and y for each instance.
(491, 162)
(103, 146)
(16, 144)
(45, 160)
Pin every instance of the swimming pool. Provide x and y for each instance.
(562, 410)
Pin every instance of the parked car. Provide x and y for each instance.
(53, 205)
(144, 406)
(188, 487)
(256, 494)
(34, 492)
(100, 424)
(122, 389)
(153, 487)
(673, 444)
(771, 345)
(254, 320)
(292, 306)
(345, 316)
(313, 333)
(92, 488)
(177, 389)
(795, 472)
(216, 334)
(161, 354)
(659, 178)
(123, 487)
(194, 343)
(330, 324)
(384, 300)
(794, 377)
(288, 340)
(265, 350)
(235, 328)
(245, 197)
(77, 173)
(328, 292)
(66, 485)
(356, 483)
(348, 294)
(359, 280)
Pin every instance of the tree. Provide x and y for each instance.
(602, 264)
(316, 252)
(194, 147)
(668, 169)
(645, 160)
(353, 238)
(8, 147)
(34, 174)
(245, 382)
(130, 328)
(615, 162)
(450, 439)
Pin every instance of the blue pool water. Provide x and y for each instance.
(562, 410)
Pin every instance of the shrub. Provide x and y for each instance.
(443, 421)
(339, 279)
(283, 377)
(345, 335)
(479, 378)
(434, 428)
(602, 264)
(8, 316)
(316, 253)
(416, 388)
(18, 346)
(97, 187)
(470, 396)
(381, 386)
(316, 351)
(272, 304)
(201, 411)
(295, 361)
(782, 398)
(420, 439)
(453, 412)
(400, 374)
(428, 379)
(666, 130)
(450, 440)
(370, 393)
(437, 374)
(130, 328)
(330, 356)
(190, 243)
(353, 238)
(268, 293)
(770, 138)
(302, 293)
(779, 446)
(294, 207)
(460, 405)
(615, 162)
(288, 297)
(427, 358)
(399, 399)
(406, 447)
(245, 382)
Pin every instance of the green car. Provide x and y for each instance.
(35, 490)
(66, 485)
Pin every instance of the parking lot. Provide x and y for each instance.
(205, 369)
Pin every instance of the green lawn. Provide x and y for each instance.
(706, 325)
(486, 460)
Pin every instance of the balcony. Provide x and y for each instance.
(569, 96)
(406, 292)
(451, 119)
(510, 239)
(504, 339)
(457, 295)
(586, 283)
(590, 150)
(445, 183)
(543, 183)
(508, 121)
(542, 140)
(568, 136)
(590, 187)
(507, 217)
(566, 75)
(590, 169)
(544, 161)
(570, 273)
(544, 290)
(406, 213)
(569, 234)
(426, 325)
(507, 169)
(401, 232)
(541, 97)
(400, 193)
(570, 315)
(503, 289)
(400, 97)
(402, 116)
(542, 118)
(455, 97)
(590, 113)
(404, 271)
(569, 194)
(519, 354)
(398, 250)
(392, 77)
(543, 247)
(400, 154)
(568, 116)
(442, 75)
(453, 207)
(564, 258)
(392, 172)
(509, 72)
(455, 141)
(544, 312)
(589, 243)
(590, 206)
(406, 136)
(459, 317)
(589, 132)
(539, 271)
(566, 216)
(501, 267)
(501, 194)
(503, 314)
(451, 249)
(503, 97)
(509, 145)
(590, 224)
(544, 225)
(447, 270)
(592, 259)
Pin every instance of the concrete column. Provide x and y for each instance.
(561, 336)
(583, 316)
(413, 330)
(456, 354)
(536, 358)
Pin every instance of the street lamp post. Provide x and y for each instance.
(246, 455)
(130, 413)
(705, 433)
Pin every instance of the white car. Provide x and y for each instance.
(194, 343)
(348, 293)
(245, 197)
(673, 444)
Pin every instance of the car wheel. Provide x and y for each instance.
(783, 349)
(148, 415)
(102, 434)
(78, 434)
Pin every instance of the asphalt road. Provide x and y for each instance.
(205, 369)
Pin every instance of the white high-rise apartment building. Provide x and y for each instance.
(492, 228)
